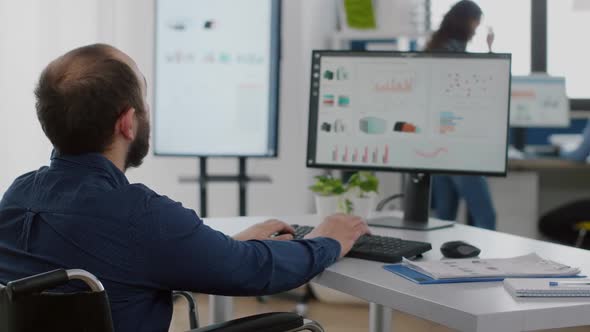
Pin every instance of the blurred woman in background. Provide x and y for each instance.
(456, 30)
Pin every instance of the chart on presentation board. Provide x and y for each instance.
(216, 80)
(427, 113)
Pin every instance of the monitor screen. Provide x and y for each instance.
(216, 77)
(405, 111)
(539, 101)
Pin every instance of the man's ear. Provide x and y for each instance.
(126, 124)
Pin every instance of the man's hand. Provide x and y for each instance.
(343, 228)
(265, 230)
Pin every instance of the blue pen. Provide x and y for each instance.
(555, 283)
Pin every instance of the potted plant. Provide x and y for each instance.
(356, 197)
(329, 195)
(362, 188)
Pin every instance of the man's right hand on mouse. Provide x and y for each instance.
(343, 228)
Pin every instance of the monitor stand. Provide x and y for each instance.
(416, 208)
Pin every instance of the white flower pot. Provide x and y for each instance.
(362, 206)
(328, 205)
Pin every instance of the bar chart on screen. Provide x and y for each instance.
(365, 154)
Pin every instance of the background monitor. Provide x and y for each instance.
(405, 111)
(539, 101)
(216, 77)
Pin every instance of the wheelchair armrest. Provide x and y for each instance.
(49, 280)
(36, 283)
(269, 322)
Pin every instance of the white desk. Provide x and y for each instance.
(477, 307)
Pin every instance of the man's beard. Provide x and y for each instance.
(140, 146)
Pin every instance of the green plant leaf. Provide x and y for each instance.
(364, 182)
(326, 185)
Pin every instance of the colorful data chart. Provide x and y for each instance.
(328, 100)
(468, 85)
(523, 94)
(331, 100)
(372, 125)
(373, 155)
(343, 101)
(448, 122)
(393, 85)
(405, 127)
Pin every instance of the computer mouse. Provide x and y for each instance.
(459, 249)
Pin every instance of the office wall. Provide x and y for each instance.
(22, 144)
(34, 31)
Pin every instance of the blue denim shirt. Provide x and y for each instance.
(81, 212)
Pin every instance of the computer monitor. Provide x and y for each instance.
(539, 101)
(420, 113)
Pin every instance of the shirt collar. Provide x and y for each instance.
(91, 160)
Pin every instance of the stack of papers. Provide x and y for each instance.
(528, 266)
(548, 287)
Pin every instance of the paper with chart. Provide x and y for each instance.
(522, 266)
(425, 113)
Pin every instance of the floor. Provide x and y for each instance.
(333, 317)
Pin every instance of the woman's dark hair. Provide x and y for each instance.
(456, 24)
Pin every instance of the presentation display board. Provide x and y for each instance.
(539, 101)
(216, 77)
(409, 111)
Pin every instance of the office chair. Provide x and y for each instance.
(25, 307)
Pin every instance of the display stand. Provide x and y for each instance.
(242, 179)
(416, 207)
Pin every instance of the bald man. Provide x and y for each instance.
(82, 212)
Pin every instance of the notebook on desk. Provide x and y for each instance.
(423, 279)
(527, 266)
(482, 270)
(548, 287)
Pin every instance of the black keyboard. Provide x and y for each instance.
(377, 248)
